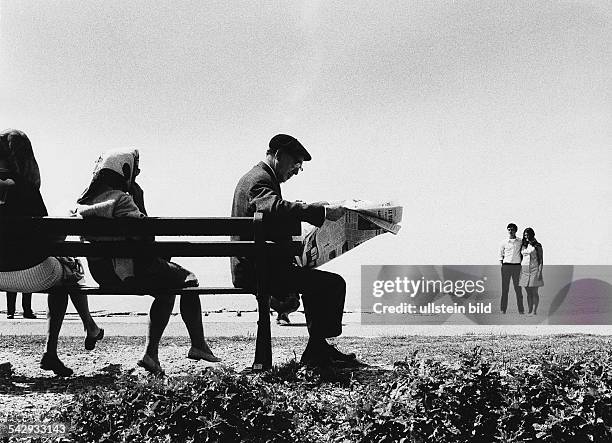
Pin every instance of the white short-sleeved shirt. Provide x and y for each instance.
(510, 251)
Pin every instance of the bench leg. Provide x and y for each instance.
(263, 344)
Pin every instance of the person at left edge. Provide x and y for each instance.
(22, 268)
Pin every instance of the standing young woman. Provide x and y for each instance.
(22, 269)
(531, 269)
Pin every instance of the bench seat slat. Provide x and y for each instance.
(95, 290)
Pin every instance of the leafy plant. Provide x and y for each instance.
(215, 405)
(478, 395)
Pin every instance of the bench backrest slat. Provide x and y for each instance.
(131, 226)
(167, 249)
(94, 290)
(167, 226)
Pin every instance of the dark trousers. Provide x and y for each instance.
(285, 305)
(511, 271)
(11, 299)
(323, 296)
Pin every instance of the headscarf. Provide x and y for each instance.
(16, 149)
(116, 168)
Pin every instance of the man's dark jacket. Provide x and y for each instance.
(259, 191)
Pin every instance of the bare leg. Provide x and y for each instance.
(529, 300)
(536, 300)
(57, 302)
(159, 315)
(191, 313)
(81, 305)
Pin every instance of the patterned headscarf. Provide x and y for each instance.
(122, 160)
(16, 149)
(121, 163)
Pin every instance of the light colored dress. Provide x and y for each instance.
(529, 268)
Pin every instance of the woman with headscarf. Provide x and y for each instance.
(22, 268)
(531, 269)
(113, 192)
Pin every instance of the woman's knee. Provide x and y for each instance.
(164, 300)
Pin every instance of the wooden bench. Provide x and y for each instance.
(248, 227)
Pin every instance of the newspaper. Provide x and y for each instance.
(363, 220)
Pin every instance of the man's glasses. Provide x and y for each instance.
(296, 164)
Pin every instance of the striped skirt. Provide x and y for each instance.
(41, 277)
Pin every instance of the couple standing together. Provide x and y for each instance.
(521, 261)
(113, 192)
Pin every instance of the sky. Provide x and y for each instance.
(470, 114)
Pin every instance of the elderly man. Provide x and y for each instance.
(322, 292)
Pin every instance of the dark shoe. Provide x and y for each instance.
(29, 314)
(10, 316)
(336, 356)
(90, 342)
(53, 363)
(283, 319)
(313, 359)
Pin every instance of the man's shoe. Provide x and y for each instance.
(10, 316)
(314, 359)
(90, 342)
(53, 363)
(336, 356)
(283, 319)
(29, 314)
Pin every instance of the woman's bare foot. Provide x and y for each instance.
(203, 354)
(150, 364)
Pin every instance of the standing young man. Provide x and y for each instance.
(510, 259)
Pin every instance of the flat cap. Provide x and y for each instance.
(287, 143)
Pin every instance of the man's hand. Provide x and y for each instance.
(333, 213)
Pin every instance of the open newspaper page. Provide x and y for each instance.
(363, 220)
